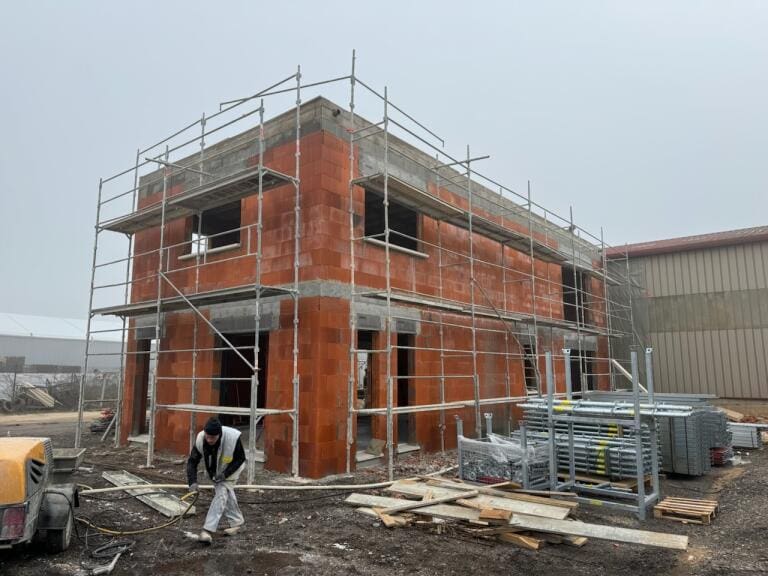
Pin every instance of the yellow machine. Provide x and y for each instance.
(32, 507)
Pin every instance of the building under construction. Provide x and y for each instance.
(340, 288)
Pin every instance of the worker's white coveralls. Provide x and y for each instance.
(224, 501)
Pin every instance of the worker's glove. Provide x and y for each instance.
(219, 477)
(194, 487)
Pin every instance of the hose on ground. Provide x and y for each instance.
(266, 487)
(191, 496)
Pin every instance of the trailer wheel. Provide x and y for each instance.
(57, 540)
(6, 406)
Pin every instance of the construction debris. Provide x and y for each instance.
(37, 394)
(525, 520)
(103, 421)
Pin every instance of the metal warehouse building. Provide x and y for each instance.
(702, 303)
(45, 344)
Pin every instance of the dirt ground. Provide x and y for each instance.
(308, 533)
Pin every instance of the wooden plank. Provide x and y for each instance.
(549, 503)
(403, 520)
(732, 415)
(526, 542)
(440, 510)
(428, 502)
(627, 483)
(167, 504)
(513, 495)
(547, 537)
(417, 489)
(577, 541)
(689, 504)
(685, 519)
(471, 504)
(545, 493)
(546, 501)
(367, 511)
(391, 521)
(687, 508)
(386, 519)
(487, 490)
(508, 484)
(493, 531)
(676, 506)
(614, 533)
(493, 515)
(689, 500)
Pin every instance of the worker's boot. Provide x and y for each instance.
(232, 530)
(205, 537)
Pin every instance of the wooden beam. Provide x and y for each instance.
(417, 489)
(440, 510)
(614, 533)
(493, 515)
(512, 495)
(577, 541)
(546, 493)
(428, 502)
(527, 542)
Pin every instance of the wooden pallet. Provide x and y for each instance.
(686, 510)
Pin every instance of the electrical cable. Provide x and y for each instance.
(296, 500)
(172, 521)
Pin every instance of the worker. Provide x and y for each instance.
(222, 452)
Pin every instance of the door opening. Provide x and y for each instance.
(235, 383)
(403, 386)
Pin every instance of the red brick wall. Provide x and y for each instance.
(324, 334)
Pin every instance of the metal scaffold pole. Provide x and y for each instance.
(629, 292)
(126, 297)
(550, 421)
(296, 261)
(569, 396)
(578, 295)
(353, 344)
(388, 280)
(535, 347)
(158, 318)
(195, 328)
(441, 327)
(638, 438)
(607, 309)
(84, 375)
(507, 353)
(653, 425)
(253, 418)
(475, 376)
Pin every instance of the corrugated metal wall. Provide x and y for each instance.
(62, 351)
(705, 312)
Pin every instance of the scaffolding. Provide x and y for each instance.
(632, 443)
(554, 258)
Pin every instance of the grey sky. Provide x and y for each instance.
(649, 118)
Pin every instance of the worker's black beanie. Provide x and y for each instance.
(213, 427)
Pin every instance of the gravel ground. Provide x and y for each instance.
(292, 533)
